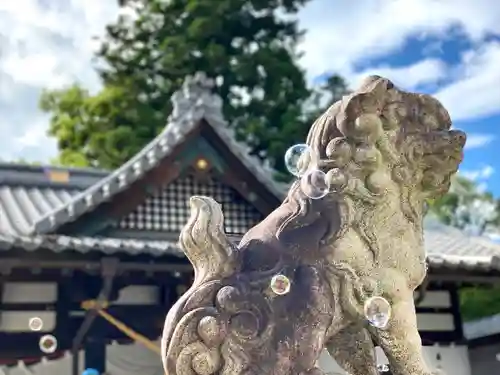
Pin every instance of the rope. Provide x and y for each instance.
(93, 304)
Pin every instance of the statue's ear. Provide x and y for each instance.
(375, 84)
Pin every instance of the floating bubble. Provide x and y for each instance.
(297, 159)
(48, 344)
(36, 324)
(377, 311)
(280, 284)
(314, 184)
(383, 368)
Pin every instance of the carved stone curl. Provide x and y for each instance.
(385, 152)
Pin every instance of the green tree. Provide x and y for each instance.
(476, 302)
(466, 207)
(331, 90)
(144, 59)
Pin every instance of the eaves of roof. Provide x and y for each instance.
(59, 243)
(109, 246)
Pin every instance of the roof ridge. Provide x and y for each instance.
(54, 177)
(17, 167)
(193, 102)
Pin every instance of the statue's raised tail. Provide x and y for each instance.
(190, 339)
(204, 242)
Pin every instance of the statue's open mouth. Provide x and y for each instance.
(444, 147)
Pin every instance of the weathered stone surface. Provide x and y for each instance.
(386, 151)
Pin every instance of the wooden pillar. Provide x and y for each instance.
(109, 267)
(95, 354)
(62, 307)
(457, 315)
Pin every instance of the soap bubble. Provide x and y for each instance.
(280, 284)
(314, 184)
(35, 324)
(48, 344)
(297, 159)
(377, 311)
(383, 368)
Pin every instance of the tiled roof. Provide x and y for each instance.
(191, 104)
(449, 248)
(452, 241)
(27, 193)
(21, 206)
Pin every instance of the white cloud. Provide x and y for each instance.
(483, 173)
(348, 31)
(31, 136)
(39, 70)
(476, 92)
(475, 140)
(31, 143)
(43, 46)
(411, 76)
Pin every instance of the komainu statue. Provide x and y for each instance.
(299, 281)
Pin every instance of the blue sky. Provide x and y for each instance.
(448, 48)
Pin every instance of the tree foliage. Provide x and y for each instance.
(476, 303)
(245, 45)
(466, 207)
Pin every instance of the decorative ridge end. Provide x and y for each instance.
(195, 99)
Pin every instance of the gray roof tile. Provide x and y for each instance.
(20, 207)
(449, 248)
(453, 242)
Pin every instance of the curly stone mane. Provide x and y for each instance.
(377, 141)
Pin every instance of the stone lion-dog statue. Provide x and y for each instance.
(385, 152)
